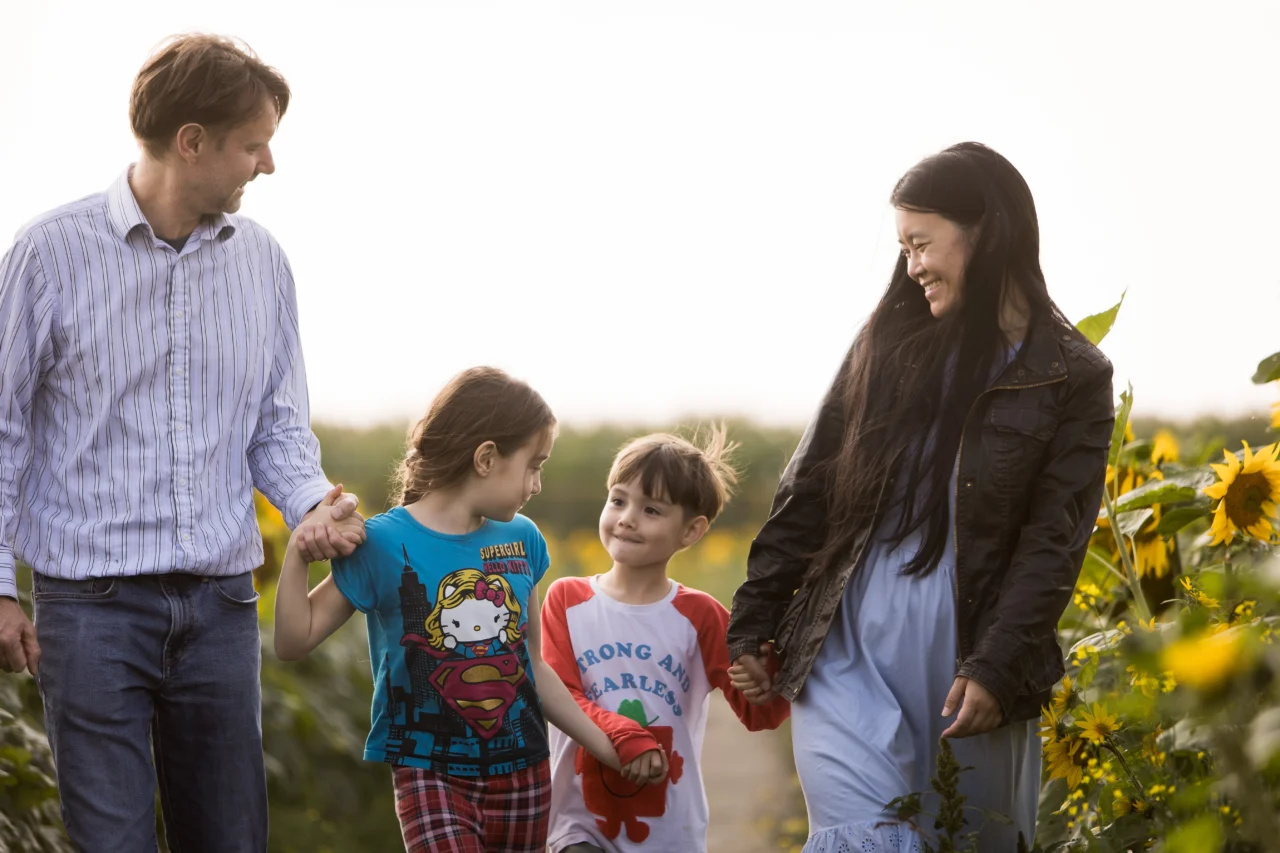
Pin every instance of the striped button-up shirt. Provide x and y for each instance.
(143, 393)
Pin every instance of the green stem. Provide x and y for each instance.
(1130, 573)
(1110, 747)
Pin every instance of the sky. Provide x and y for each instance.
(657, 212)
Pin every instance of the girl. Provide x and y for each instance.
(927, 533)
(448, 583)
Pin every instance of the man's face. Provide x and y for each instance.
(223, 168)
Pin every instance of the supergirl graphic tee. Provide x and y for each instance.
(453, 688)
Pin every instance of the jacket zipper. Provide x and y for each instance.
(955, 516)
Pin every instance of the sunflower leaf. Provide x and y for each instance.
(1096, 326)
(1122, 420)
(1176, 519)
(1268, 370)
(1175, 488)
(1129, 523)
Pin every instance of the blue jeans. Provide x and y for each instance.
(165, 666)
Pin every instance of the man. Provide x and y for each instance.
(150, 377)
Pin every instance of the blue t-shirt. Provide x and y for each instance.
(453, 688)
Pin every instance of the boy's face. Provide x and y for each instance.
(641, 531)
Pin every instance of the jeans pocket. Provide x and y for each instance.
(237, 589)
(45, 588)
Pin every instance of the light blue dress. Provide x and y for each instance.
(866, 725)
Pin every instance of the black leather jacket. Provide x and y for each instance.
(1033, 457)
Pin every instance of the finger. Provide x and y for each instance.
(963, 726)
(323, 542)
(955, 697)
(31, 648)
(331, 496)
(343, 507)
(765, 648)
(16, 656)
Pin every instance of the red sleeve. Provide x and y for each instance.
(629, 738)
(711, 620)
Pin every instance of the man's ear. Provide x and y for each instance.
(694, 530)
(485, 457)
(190, 140)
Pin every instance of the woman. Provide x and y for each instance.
(927, 533)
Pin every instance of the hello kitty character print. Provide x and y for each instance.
(474, 615)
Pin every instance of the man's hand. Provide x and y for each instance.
(332, 529)
(979, 709)
(18, 647)
(749, 675)
(647, 768)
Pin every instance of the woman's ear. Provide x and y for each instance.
(485, 457)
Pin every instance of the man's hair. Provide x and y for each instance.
(214, 81)
(696, 477)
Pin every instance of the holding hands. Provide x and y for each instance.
(332, 529)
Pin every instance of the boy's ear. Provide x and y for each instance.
(694, 530)
(485, 457)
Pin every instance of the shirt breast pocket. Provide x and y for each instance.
(1016, 438)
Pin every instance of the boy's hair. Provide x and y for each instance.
(479, 404)
(213, 81)
(697, 477)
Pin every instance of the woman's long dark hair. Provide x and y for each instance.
(910, 378)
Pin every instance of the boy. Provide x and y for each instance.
(641, 654)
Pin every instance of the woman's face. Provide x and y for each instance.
(937, 251)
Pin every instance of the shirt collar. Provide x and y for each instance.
(126, 215)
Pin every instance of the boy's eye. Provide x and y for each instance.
(652, 510)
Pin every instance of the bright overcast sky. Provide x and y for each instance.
(658, 209)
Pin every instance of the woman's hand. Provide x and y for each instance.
(979, 709)
(750, 677)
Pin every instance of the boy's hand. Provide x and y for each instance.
(330, 530)
(750, 676)
(647, 768)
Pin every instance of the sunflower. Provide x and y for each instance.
(1164, 448)
(1052, 727)
(1067, 759)
(1207, 662)
(1062, 697)
(1246, 493)
(1097, 724)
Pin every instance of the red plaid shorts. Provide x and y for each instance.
(458, 814)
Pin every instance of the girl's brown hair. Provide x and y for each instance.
(478, 405)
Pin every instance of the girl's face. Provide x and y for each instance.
(937, 252)
(514, 479)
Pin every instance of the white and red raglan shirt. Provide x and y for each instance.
(644, 674)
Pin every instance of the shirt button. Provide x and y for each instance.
(177, 315)
(186, 536)
(182, 482)
(178, 371)
(181, 428)
(1066, 337)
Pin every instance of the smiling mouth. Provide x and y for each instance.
(931, 287)
(629, 540)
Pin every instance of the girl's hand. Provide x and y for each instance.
(979, 709)
(749, 675)
(647, 768)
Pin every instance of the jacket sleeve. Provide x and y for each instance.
(797, 527)
(1052, 542)
(629, 738)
